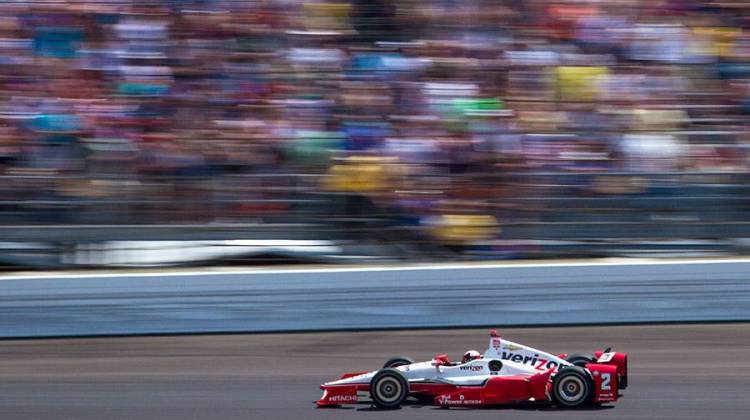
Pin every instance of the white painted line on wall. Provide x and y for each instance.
(364, 269)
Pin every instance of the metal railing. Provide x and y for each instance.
(538, 213)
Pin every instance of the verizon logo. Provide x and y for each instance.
(535, 360)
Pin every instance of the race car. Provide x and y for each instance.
(507, 373)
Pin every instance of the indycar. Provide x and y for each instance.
(507, 373)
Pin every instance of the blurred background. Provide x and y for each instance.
(255, 132)
(179, 132)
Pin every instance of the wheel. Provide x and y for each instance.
(580, 359)
(398, 361)
(389, 388)
(572, 387)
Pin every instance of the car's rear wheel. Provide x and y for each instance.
(580, 359)
(389, 388)
(398, 361)
(572, 387)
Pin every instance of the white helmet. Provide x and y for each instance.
(471, 355)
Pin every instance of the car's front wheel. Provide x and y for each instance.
(389, 388)
(572, 387)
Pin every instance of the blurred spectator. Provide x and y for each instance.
(425, 107)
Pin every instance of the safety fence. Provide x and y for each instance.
(471, 215)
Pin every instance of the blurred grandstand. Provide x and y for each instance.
(372, 129)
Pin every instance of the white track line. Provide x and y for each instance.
(358, 269)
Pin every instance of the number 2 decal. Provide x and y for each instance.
(606, 379)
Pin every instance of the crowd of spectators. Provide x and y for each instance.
(428, 107)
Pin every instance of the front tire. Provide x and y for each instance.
(389, 388)
(398, 361)
(572, 387)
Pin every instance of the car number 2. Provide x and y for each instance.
(606, 379)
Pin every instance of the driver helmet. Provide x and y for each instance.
(471, 355)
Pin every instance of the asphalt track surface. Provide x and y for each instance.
(676, 372)
(375, 297)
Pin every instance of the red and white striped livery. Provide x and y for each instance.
(506, 373)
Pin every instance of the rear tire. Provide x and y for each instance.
(580, 359)
(398, 361)
(389, 388)
(572, 387)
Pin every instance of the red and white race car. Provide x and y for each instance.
(507, 373)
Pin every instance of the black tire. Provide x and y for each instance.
(572, 387)
(580, 359)
(389, 388)
(398, 361)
